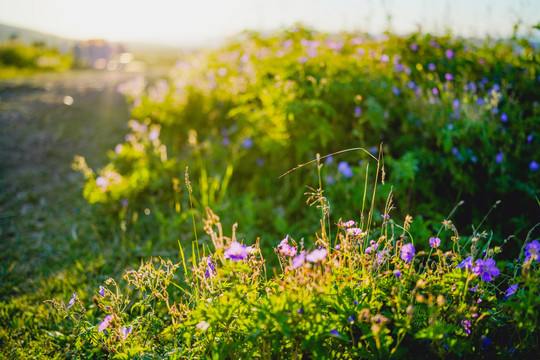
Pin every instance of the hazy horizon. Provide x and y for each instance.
(186, 23)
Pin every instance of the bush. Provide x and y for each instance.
(457, 120)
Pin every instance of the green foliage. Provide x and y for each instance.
(360, 299)
(17, 59)
(458, 121)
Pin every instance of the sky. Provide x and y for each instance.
(196, 22)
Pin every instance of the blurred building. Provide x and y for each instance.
(100, 54)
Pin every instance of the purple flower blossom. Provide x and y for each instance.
(349, 223)
(247, 143)
(372, 247)
(105, 323)
(499, 158)
(351, 319)
(530, 138)
(285, 248)
(533, 166)
(504, 117)
(511, 290)
(72, 301)
(126, 331)
(467, 263)
(435, 91)
(411, 85)
(397, 273)
(354, 231)
(449, 54)
(357, 111)
(431, 67)
(413, 46)
(486, 269)
(395, 90)
(153, 135)
(532, 251)
(303, 59)
(329, 159)
(335, 333)
(210, 268)
(385, 216)
(466, 325)
(102, 291)
(373, 150)
(485, 342)
(316, 255)
(434, 242)
(449, 77)
(236, 251)
(102, 182)
(298, 260)
(407, 252)
(345, 169)
(384, 58)
(480, 101)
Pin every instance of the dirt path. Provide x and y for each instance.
(42, 212)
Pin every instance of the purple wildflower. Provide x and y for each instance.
(236, 251)
(485, 342)
(357, 111)
(385, 216)
(102, 182)
(72, 301)
(449, 77)
(530, 138)
(533, 166)
(449, 54)
(105, 323)
(434, 242)
(354, 231)
(247, 143)
(467, 263)
(126, 331)
(532, 251)
(351, 319)
(298, 260)
(329, 159)
(303, 59)
(431, 67)
(210, 268)
(345, 169)
(466, 325)
(499, 158)
(504, 117)
(395, 90)
(511, 290)
(285, 248)
(407, 252)
(316, 255)
(435, 91)
(372, 247)
(102, 291)
(486, 269)
(349, 223)
(384, 58)
(413, 46)
(397, 273)
(335, 333)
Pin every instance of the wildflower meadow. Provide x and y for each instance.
(304, 195)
